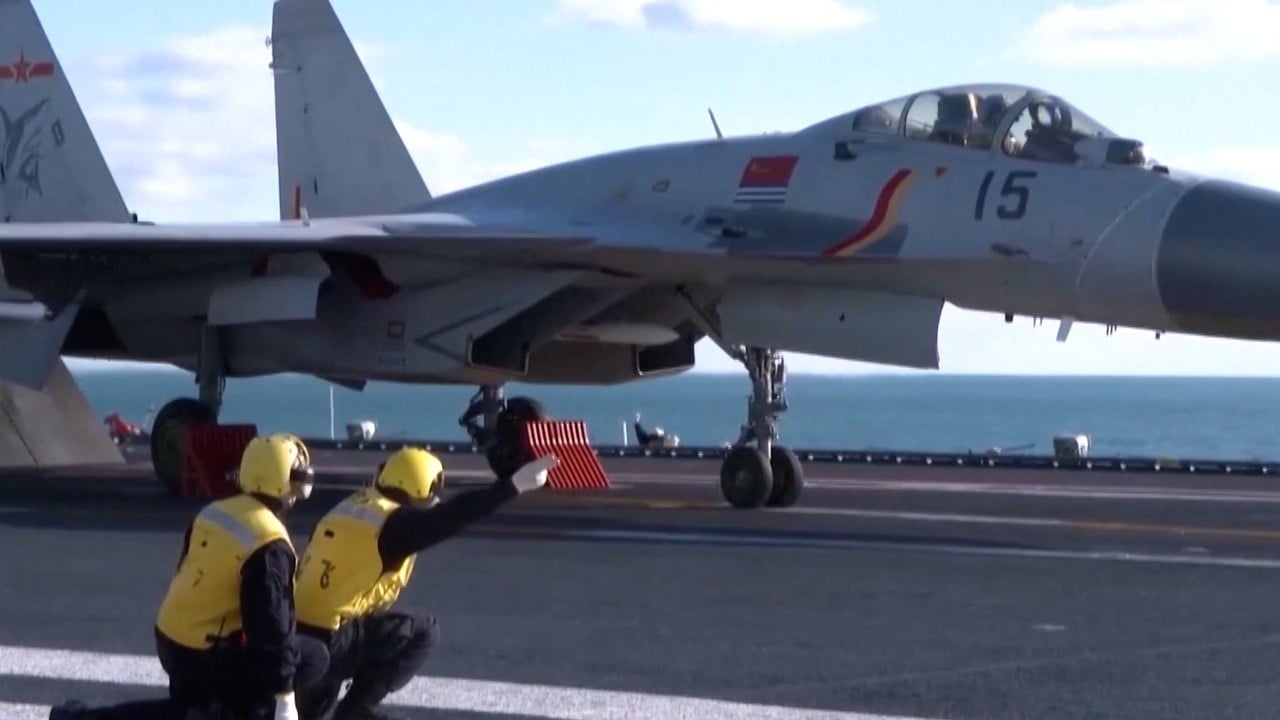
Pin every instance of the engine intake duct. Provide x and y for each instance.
(507, 346)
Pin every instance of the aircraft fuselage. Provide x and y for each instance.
(834, 240)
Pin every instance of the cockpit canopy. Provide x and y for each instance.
(1023, 121)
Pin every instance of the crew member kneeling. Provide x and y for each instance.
(361, 556)
(226, 630)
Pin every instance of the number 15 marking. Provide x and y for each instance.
(1011, 188)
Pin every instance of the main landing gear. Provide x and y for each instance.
(497, 431)
(751, 476)
(767, 474)
(166, 429)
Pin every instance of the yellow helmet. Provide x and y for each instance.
(277, 466)
(304, 455)
(413, 470)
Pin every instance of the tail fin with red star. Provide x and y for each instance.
(51, 168)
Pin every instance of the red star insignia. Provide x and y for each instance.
(22, 68)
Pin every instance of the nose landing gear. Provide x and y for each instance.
(766, 474)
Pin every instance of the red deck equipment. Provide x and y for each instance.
(579, 468)
(210, 452)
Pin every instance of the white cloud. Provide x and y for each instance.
(1155, 33)
(447, 162)
(1252, 164)
(189, 130)
(1258, 165)
(765, 17)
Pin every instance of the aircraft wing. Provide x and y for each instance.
(628, 249)
(441, 235)
(877, 294)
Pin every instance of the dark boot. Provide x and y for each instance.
(70, 710)
(209, 711)
(138, 710)
(348, 711)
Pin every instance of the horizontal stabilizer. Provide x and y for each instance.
(52, 426)
(29, 347)
(22, 311)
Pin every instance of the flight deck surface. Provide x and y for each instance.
(888, 592)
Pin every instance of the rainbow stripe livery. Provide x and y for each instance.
(883, 218)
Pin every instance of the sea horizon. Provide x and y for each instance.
(1208, 417)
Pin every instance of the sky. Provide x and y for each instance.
(180, 98)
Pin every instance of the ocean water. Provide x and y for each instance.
(1209, 418)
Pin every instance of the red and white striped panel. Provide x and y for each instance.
(579, 468)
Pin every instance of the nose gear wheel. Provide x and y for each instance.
(766, 475)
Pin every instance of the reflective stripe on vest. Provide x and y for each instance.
(226, 521)
(202, 605)
(340, 575)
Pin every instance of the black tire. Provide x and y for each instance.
(788, 477)
(746, 480)
(504, 453)
(166, 438)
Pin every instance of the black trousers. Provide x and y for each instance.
(379, 653)
(215, 678)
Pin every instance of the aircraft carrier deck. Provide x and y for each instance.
(891, 591)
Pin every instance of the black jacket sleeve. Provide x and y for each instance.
(266, 606)
(186, 545)
(410, 529)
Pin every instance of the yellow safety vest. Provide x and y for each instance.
(203, 601)
(340, 575)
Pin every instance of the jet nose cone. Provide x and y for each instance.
(1219, 260)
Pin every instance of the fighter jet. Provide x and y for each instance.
(842, 239)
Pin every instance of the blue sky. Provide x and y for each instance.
(482, 89)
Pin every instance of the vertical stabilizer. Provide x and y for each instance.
(338, 151)
(51, 168)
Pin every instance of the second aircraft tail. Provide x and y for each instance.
(338, 151)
